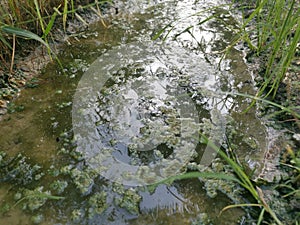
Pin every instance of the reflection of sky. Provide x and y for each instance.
(198, 33)
(169, 60)
(193, 62)
(163, 197)
(200, 40)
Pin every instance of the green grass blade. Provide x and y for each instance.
(284, 109)
(159, 33)
(239, 205)
(244, 179)
(23, 33)
(50, 25)
(65, 13)
(37, 8)
(39, 195)
(261, 216)
(191, 175)
(72, 6)
(3, 40)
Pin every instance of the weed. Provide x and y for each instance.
(241, 178)
(271, 29)
(277, 28)
(34, 20)
(291, 185)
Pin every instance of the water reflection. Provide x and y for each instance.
(179, 67)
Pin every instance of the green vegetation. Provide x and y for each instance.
(244, 180)
(276, 27)
(271, 30)
(35, 20)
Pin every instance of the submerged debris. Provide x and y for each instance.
(202, 219)
(83, 179)
(129, 200)
(212, 186)
(97, 204)
(34, 199)
(37, 219)
(18, 170)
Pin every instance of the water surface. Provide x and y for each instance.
(127, 103)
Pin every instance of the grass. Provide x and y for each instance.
(243, 180)
(271, 30)
(276, 26)
(34, 20)
(290, 162)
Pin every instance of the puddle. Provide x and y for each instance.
(126, 113)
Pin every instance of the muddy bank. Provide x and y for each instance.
(30, 58)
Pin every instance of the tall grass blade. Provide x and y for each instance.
(243, 177)
(280, 42)
(245, 181)
(50, 25)
(3, 40)
(256, 98)
(160, 32)
(37, 8)
(261, 216)
(72, 6)
(65, 13)
(23, 33)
